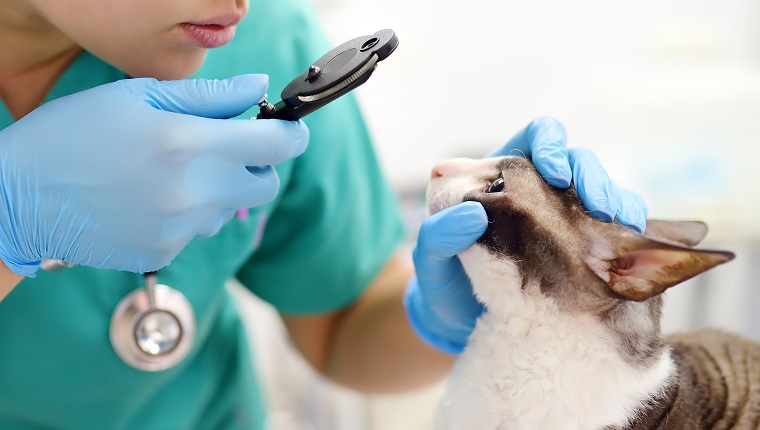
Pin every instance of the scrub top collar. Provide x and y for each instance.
(84, 72)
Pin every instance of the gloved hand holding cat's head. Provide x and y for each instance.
(544, 236)
(439, 301)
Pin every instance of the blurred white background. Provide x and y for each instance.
(666, 93)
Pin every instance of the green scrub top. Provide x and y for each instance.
(314, 249)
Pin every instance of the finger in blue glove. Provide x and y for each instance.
(544, 141)
(603, 198)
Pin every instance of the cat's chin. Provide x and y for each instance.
(496, 281)
(438, 201)
(440, 196)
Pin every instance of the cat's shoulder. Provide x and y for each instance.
(717, 346)
(707, 336)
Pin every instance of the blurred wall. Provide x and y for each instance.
(666, 93)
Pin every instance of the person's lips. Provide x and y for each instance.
(213, 32)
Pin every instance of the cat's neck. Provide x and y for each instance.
(542, 368)
(565, 373)
(531, 363)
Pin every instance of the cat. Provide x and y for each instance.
(570, 338)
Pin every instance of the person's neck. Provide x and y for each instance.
(35, 53)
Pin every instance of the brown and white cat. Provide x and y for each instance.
(571, 336)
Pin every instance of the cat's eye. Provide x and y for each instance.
(496, 186)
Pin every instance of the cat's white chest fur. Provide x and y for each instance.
(530, 366)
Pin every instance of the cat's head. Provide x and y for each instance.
(541, 241)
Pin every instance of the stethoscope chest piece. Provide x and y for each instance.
(153, 328)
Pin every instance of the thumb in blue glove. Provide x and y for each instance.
(124, 175)
(439, 301)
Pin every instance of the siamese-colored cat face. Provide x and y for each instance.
(541, 241)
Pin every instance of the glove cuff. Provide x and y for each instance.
(21, 268)
(417, 312)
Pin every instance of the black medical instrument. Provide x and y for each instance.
(335, 74)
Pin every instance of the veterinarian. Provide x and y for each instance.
(120, 177)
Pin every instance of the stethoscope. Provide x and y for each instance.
(152, 328)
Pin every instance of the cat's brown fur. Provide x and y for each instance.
(717, 385)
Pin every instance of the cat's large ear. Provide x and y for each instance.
(640, 267)
(688, 233)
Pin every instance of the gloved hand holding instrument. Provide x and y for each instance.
(439, 299)
(124, 175)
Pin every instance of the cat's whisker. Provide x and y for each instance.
(517, 153)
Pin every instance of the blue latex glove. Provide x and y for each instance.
(124, 175)
(439, 301)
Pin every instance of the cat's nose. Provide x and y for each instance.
(452, 167)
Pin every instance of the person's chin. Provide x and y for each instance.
(179, 66)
